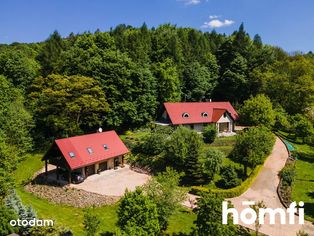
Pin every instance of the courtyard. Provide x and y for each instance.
(113, 182)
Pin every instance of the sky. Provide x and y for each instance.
(288, 24)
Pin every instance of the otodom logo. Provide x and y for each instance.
(249, 216)
(31, 222)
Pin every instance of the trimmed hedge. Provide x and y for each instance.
(229, 193)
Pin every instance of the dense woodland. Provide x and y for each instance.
(120, 79)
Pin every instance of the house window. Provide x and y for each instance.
(185, 115)
(105, 146)
(89, 150)
(204, 114)
(71, 154)
(225, 114)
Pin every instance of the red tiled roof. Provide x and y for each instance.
(195, 110)
(79, 144)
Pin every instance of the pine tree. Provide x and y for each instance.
(193, 166)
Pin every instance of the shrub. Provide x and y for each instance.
(232, 192)
(252, 146)
(212, 162)
(229, 177)
(210, 133)
(287, 174)
(154, 143)
(138, 210)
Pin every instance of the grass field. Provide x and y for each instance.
(303, 185)
(71, 217)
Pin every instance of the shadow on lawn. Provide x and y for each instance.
(309, 209)
(308, 157)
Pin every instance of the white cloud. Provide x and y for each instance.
(217, 23)
(213, 17)
(190, 2)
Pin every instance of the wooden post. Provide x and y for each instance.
(83, 172)
(46, 168)
(57, 172)
(70, 176)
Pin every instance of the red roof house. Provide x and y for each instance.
(88, 153)
(198, 114)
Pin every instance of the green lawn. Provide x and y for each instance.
(72, 217)
(303, 186)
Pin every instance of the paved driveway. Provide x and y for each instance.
(113, 182)
(265, 187)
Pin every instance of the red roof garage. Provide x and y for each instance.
(87, 154)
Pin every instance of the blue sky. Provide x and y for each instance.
(285, 23)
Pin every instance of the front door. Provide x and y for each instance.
(224, 127)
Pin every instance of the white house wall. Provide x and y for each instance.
(226, 119)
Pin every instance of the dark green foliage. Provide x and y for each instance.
(212, 162)
(210, 133)
(15, 120)
(229, 177)
(198, 82)
(208, 221)
(91, 222)
(6, 215)
(168, 82)
(67, 105)
(154, 143)
(50, 53)
(287, 174)
(182, 152)
(253, 146)
(137, 211)
(18, 67)
(302, 127)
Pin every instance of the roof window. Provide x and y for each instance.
(105, 146)
(90, 150)
(204, 114)
(185, 115)
(71, 154)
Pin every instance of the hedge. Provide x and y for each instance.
(232, 192)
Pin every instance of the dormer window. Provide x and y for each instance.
(204, 114)
(105, 147)
(185, 115)
(71, 154)
(89, 150)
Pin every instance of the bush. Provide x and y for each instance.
(252, 146)
(229, 177)
(212, 162)
(287, 174)
(229, 193)
(154, 143)
(210, 133)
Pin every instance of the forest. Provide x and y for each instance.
(120, 79)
